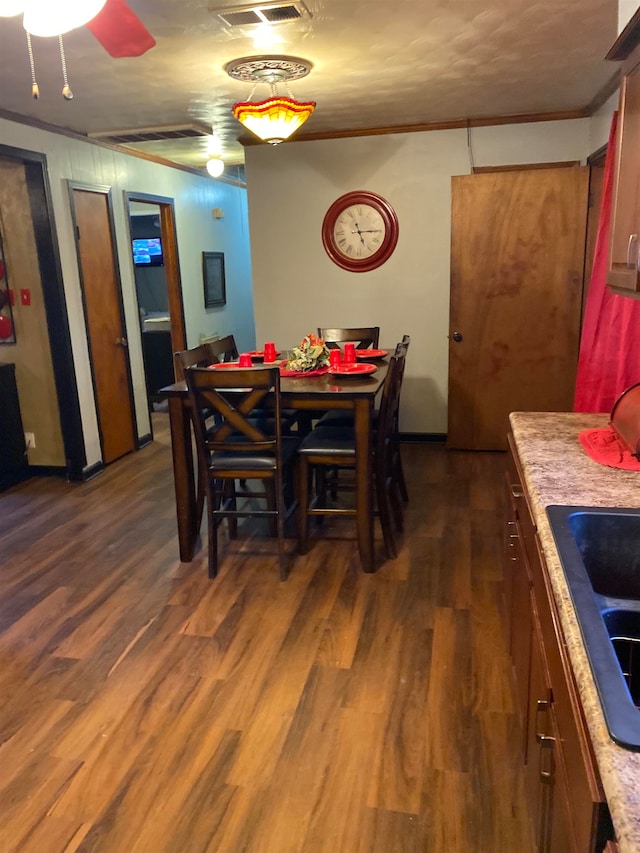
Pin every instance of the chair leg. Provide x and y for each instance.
(229, 494)
(385, 518)
(399, 474)
(212, 529)
(280, 531)
(303, 505)
(395, 502)
(200, 498)
(272, 506)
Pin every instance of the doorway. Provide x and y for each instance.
(153, 298)
(517, 257)
(40, 211)
(154, 253)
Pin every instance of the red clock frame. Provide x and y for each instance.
(388, 244)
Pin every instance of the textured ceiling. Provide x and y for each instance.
(376, 63)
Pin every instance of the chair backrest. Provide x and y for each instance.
(223, 350)
(233, 396)
(195, 357)
(211, 352)
(365, 337)
(390, 401)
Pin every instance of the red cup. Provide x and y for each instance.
(349, 353)
(269, 351)
(335, 357)
(245, 360)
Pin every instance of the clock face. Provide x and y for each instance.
(360, 231)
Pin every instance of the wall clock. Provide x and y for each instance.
(360, 231)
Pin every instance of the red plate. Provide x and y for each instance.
(365, 354)
(259, 353)
(223, 364)
(284, 372)
(353, 369)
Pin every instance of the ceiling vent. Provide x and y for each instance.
(152, 134)
(264, 13)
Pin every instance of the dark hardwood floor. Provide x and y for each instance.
(146, 708)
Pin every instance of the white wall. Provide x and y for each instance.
(197, 231)
(297, 287)
(626, 11)
(600, 123)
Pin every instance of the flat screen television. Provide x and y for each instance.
(147, 252)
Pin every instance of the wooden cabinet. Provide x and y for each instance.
(624, 261)
(518, 595)
(566, 802)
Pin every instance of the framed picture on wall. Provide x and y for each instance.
(215, 293)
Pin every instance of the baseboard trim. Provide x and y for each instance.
(91, 471)
(21, 475)
(144, 440)
(439, 437)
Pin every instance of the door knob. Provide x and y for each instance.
(121, 342)
(457, 337)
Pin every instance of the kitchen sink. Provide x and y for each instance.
(600, 553)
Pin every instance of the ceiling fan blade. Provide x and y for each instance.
(120, 31)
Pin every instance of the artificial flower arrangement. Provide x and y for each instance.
(311, 354)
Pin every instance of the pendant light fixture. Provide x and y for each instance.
(277, 118)
(9, 8)
(215, 166)
(44, 18)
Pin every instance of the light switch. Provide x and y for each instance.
(25, 296)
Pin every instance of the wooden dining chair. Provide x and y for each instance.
(200, 356)
(241, 446)
(397, 456)
(364, 337)
(333, 448)
(339, 418)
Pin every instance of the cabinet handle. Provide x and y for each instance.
(633, 238)
(541, 705)
(546, 744)
(516, 491)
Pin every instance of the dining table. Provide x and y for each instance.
(307, 393)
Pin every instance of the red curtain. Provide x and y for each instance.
(609, 360)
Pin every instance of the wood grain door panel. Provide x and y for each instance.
(517, 257)
(106, 333)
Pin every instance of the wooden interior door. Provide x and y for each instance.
(105, 322)
(517, 258)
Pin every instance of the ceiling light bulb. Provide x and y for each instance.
(44, 18)
(9, 8)
(214, 145)
(215, 167)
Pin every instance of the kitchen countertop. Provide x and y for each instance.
(558, 471)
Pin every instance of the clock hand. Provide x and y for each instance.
(370, 231)
(359, 232)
